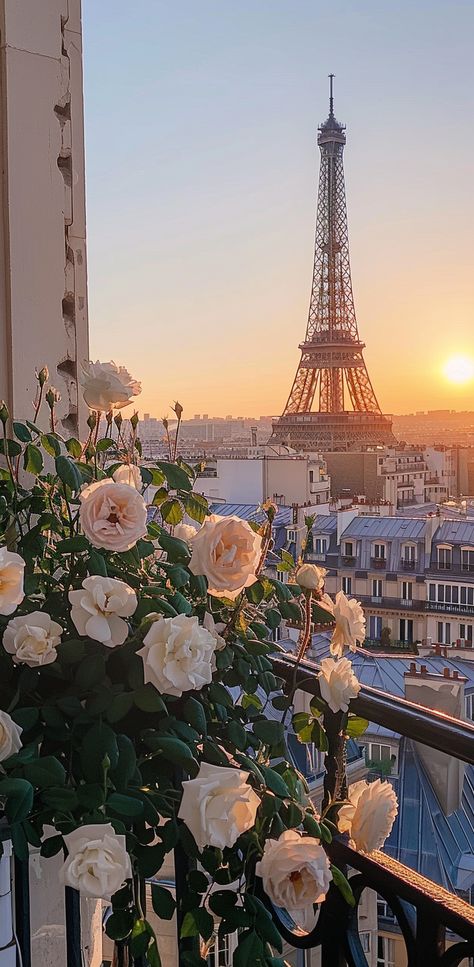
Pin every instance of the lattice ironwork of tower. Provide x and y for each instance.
(332, 369)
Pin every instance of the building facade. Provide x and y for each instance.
(43, 276)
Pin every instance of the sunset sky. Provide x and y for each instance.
(202, 166)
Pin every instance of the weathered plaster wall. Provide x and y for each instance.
(43, 276)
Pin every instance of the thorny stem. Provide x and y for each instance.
(176, 439)
(307, 629)
(335, 783)
(38, 404)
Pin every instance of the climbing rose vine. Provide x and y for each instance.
(139, 708)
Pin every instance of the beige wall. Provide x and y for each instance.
(43, 294)
(356, 472)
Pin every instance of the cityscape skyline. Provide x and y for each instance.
(217, 220)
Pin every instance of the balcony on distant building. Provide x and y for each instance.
(378, 562)
(392, 604)
(407, 565)
(349, 560)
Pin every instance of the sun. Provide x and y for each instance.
(459, 369)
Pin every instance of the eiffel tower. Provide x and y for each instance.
(332, 366)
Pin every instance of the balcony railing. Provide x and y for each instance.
(349, 560)
(393, 645)
(392, 604)
(447, 608)
(423, 910)
(378, 562)
(407, 565)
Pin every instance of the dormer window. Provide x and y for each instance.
(320, 545)
(348, 549)
(380, 552)
(409, 552)
(467, 558)
(445, 557)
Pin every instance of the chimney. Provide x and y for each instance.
(443, 692)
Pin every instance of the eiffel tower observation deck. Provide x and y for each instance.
(332, 371)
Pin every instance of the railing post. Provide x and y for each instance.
(72, 902)
(335, 783)
(22, 909)
(430, 939)
(182, 866)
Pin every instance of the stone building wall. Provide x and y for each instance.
(43, 276)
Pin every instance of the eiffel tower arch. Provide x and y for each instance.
(332, 370)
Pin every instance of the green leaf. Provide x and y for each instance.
(319, 737)
(343, 885)
(72, 544)
(33, 460)
(273, 618)
(171, 511)
(157, 477)
(274, 782)
(197, 922)
(119, 925)
(119, 707)
(60, 797)
(251, 701)
(311, 825)
(177, 551)
(21, 432)
(255, 593)
(178, 576)
(67, 472)
(282, 591)
(19, 795)
(356, 726)
(46, 771)
(74, 448)
(287, 558)
(194, 714)
(196, 507)
(160, 496)
(177, 752)
(269, 732)
(124, 805)
(176, 476)
(96, 563)
(50, 444)
(249, 951)
(51, 846)
(266, 928)
(99, 743)
(164, 903)
(104, 444)
(13, 448)
(148, 699)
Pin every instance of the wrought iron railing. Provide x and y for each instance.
(423, 910)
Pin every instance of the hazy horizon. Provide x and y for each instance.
(202, 167)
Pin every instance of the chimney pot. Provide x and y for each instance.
(412, 668)
(423, 670)
(455, 674)
(446, 673)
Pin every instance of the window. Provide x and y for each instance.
(276, 633)
(406, 630)
(378, 752)
(383, 909)
(221, 954)
(385, 952)
(376, 588)
(432, 592)
(311, 476)
(409, 553)
(467, 559)
(320, 545)
(291, 536)
(470, 706)
(379, 551)
(407, 591)
(444, 632)
(445, 558)
(465, 632)
(349, 549)
(365, 941)
(347, 585)
(375, 627)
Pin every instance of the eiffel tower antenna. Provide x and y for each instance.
(332, 368)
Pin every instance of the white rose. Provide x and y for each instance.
(32, 639)
(97, 863)
(350, 624)
(214, 630)
(311, 577)
(129, 473)
(112, 515)
(178, 655)
(296, 874)
(337, 683)
(10, 732)
(99, 608)
(12, 568)
(218, 805)
(106, 385)
(227, 551)
(185, 532)
(370, 815)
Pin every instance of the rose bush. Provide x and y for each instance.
(139, 708)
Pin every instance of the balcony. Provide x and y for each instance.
(392, 604)
(349, 560)
(407, 565)
(379, 563)
(448, 608)
(395, 645)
